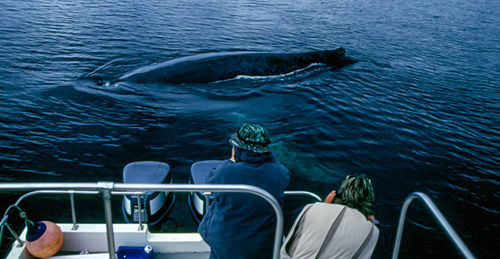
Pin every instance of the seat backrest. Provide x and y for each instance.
(146, 172)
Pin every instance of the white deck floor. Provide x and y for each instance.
(92, 238)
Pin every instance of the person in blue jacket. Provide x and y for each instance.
(239, 225)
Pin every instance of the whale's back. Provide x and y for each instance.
(212, 67)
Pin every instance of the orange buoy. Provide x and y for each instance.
(44, 239)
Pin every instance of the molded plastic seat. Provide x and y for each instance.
(201, 169)
(146, 172)
(197, 200)
(155, 205)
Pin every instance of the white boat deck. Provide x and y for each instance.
(92, 238)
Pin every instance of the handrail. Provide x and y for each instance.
(306, 193)
(107, 188)
(459, 244)
(71, 194)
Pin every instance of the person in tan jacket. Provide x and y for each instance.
(340, 227)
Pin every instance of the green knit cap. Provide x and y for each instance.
(356, 192)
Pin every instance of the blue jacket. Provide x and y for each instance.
(243, 225)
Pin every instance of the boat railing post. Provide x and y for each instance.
(206, 204)
(16, 236)
(73, 211)
(459, 244)
(105, 189)
(401, 223)
(140, 212)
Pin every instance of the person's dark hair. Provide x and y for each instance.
(356, 192)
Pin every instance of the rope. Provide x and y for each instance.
(22, 214)
(1, 235)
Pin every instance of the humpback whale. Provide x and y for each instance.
(212, 67)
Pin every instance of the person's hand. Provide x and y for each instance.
(232, 155)
(330, 197)
(372, 219)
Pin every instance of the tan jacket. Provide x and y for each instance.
(326, 231)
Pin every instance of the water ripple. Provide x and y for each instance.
(419, 111)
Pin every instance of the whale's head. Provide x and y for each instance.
(336, 58)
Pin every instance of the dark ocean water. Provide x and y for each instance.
(419, 111)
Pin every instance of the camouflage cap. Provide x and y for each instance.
(252, 137)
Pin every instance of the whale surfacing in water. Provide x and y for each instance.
(212, 67)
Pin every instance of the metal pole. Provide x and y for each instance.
(306, 193)
(106, 197)
(16, 236)
(140, 211)
(205, 204)
(48, 186)
(73, 211)
(399, 233)
(459, 244)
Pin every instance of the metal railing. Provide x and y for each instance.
(106, 189)
(72, 201)
(305, 193)
(459, 244)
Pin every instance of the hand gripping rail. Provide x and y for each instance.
(438, 216)
(106, 189)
